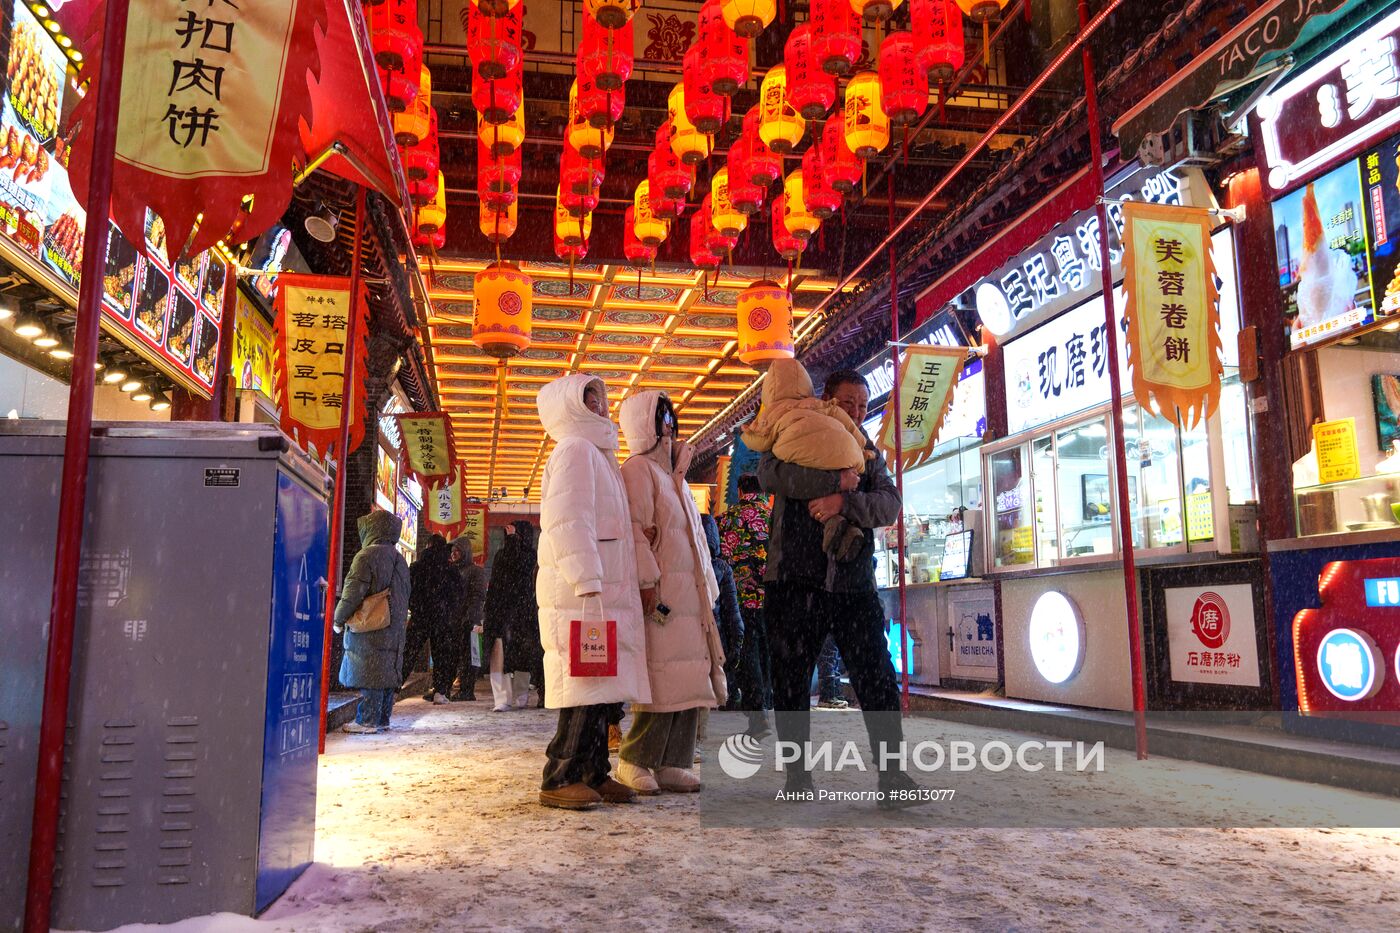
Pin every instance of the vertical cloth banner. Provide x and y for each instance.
(313, 319)
(927, 378)
(1172, 310)
(474, 517)
(442, 503)
(213, 95)
(428, 453)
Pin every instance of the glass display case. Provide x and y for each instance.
(1371, 503)
(936, 496)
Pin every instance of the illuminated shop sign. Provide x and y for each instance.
(1349, 664)
(1057, 637)
(1343, 649)
(1211, 635)
(1341, 101)
(1383, 592)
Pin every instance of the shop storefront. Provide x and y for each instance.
(395, 489)
(1327, 158)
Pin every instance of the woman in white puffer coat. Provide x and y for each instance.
(684, 659)
(587, 574)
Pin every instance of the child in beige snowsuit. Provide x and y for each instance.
(797, 427)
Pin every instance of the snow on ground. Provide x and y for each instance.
(435, 826)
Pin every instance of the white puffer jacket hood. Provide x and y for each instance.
(563, 413)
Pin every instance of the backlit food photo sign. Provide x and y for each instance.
(1057, 637)
(1331, 108)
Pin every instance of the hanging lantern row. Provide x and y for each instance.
(397, 43)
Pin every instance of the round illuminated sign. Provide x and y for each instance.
(1349, 665)
(1057, 637)
(993, 309)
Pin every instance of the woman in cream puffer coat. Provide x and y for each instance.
(684, 658)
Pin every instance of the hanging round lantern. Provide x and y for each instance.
(780, 126)
(705, 109)
(434, 241)
(637, 252)
(760, 165)
(399, 91)
(724, 56)
(496, 226)
(748, 18)
(867, 127)
(835, 35)
(496, 7)
(422, 190)
(611, 14)
(503, 138)
(570, 252)
(578, 204)
(821, 198)
(875, 10)
(568, 228)
(496, 174)
(590, 141)
(727, 218)
(666, 172)
(787, 244)
(689, 144)
(605, 55)
(412, 124)
(716, 240)
(432, 217)
(578, 174)
(810, 91)
(765, 324)
(840, 167)
(422, 161)
(493, 42)
(938, 35)
(746, 196)
(599, 107)
(395, 37)
(799, 220)
(981, 11)
(498, 101)
(903, 80)
(503, 299)
(497, 200)
(700, 230)
(650, 229)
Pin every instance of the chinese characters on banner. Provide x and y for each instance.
(313, 319)
(1172, 310)
(474, 529)
(926, 382)
(427, 445)
(442, 503)
(212, 97)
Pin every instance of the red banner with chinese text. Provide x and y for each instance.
(212, 98)
(313, 319)
(443, 502)
(428, 452)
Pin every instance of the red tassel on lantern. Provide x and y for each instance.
(938, 35)
(840, 167)
(493, 42)
(788, 246)
(810, 91)
(497, 101)
(599, 107)
(835, 36)
(703, 107)
(605, 55)
(763, 166)
(903, 81)
(822, 199)
(668, 174)
(637, 252)
(724, 56)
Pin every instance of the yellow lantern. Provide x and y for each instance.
(432, 216)
(765, 324)
(501, 139)
(748, 18)
(797, 217)
(568, 228)
(780, 126)
(724, 216)
(495, 7)
(984, 11)
(687, 143)
(879, 10)
(504, 297)
(590, 141)
(413, 124)
(497, 226)
(648, 227)
(867, 124)
(611, 14)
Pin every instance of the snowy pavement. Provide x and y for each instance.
(435, 826)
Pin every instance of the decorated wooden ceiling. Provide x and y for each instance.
(668, 332)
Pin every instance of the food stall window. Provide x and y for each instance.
(935, 496)
(1237, 439)
(1011, 504)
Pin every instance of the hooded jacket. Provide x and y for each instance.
(437, 589)
(800, 428)
(372, 660)
(684, 657)
(585, 546)
(512, 612)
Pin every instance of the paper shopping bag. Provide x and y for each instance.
(593, 646)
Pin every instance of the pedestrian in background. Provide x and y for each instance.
(470, 616)
(372, 659)
(743, 540)
(587, 582)
(435, 604)
(512, 620)
(726, 608)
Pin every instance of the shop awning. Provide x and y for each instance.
(1232, 62)
(1075, 195)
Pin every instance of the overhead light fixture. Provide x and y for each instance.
(61, 353)
(115, 373)
(29, 325)
(1392, 327)
(142, 394)
(46, 341)
(7, 309)
(134, 382)
(321, 223)
(159, 401)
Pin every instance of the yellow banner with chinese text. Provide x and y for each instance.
(927, 378)
(313, 335)
(427, 445)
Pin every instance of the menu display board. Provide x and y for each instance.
(1380, 179)
(172, 315)
(252, 348)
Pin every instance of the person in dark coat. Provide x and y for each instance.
(727, 615)
(470, 616)
(435, 603)
(372, 659)
(512, 627)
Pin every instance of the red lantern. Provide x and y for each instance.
(788, 246)
(903, 81)
(746, 196)
(938, 35)
(599, 107)
(822, 199)
(700, 233)
(434, 240)
(395, 37)
(570, 252)
(703, 107)
(421, 191)
(810, 91)
(762, 166)
(835, 35)
(637, 252)
(497, 178)
(840, 167)
(578, 174)
(493, 42)
(605, 55)
(668, 174)
(724, 57)
(497, 101)
(423, 161)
